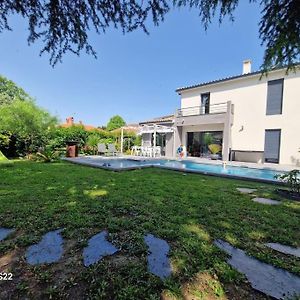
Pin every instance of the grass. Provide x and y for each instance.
(187, 210)
(2, 157)
(4, 162)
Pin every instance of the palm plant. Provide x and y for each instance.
(92, 142)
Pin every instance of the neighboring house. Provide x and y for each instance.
(70, 122)
(254, 118)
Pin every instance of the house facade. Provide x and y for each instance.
(253, 118)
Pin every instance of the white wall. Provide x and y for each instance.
(249, 96)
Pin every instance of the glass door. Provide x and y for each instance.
(205, 100)
(198, 142)
(160, 141)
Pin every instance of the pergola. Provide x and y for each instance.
(154, 128)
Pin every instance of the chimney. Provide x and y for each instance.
(246, 66)
(70, 121)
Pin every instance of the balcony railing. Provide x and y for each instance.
(219, 108)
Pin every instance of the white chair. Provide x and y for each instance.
(149, 151)
(157, 151)
(144, 151)
(135, 150)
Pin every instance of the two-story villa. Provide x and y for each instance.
(253, 118)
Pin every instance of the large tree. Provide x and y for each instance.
(115, 122)
(9, 91)
(27, 122)
(63, 26)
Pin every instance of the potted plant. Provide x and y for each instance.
(292, 180)
(214, 149)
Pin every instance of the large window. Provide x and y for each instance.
(274, 97)
(198, 142)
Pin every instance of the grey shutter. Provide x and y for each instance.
(272, 145)
(274, 97)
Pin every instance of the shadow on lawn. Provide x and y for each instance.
(187, 211)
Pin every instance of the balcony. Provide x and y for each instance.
(219, 108)
(198, 115)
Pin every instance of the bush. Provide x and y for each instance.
(292, 179)
(48, 155)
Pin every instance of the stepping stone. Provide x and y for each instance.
(266, 201)
(48, 250)
(246, 190)
(5, 232)
(97, 248)
(284, 249)
(158, 261)
(263, 277)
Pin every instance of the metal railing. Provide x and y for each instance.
(202, 110)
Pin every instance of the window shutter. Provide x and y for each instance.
(274, 97)
(272, 145)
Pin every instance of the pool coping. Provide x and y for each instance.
(93, 165)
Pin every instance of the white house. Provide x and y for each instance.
(253, 118)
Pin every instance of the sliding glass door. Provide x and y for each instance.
(198, 142)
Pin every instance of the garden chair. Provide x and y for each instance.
(157, 151)
(102, 149)
(112, 149)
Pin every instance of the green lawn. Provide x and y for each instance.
(187, 210)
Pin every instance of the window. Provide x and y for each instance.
(272, 145)
(205, 103)
(274, 97)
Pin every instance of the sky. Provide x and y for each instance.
(135, 74)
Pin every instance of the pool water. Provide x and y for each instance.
(266, 174)
(184, 165)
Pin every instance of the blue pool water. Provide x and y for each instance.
(184, 165)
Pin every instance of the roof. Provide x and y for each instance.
(178, 90)
(163, 119)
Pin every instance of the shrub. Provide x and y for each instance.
(292, 179)
(48, 155)
(92, 142)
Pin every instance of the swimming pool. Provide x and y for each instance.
(119, 164)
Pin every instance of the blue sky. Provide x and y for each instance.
(135, 74)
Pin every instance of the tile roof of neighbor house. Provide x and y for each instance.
(163, 119)
(70, 122)
(178, 90)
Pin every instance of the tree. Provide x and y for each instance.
(27, 121)
(9, 91)
(63, 26)
(115, 122)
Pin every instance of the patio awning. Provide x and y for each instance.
(153, 128)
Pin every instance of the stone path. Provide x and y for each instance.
(284, 249)
(5, 232)
(263, 277)
(246, 190)
(158, 261)
(97, 248)
(270, 280)
(48, 250)
(266, 201)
